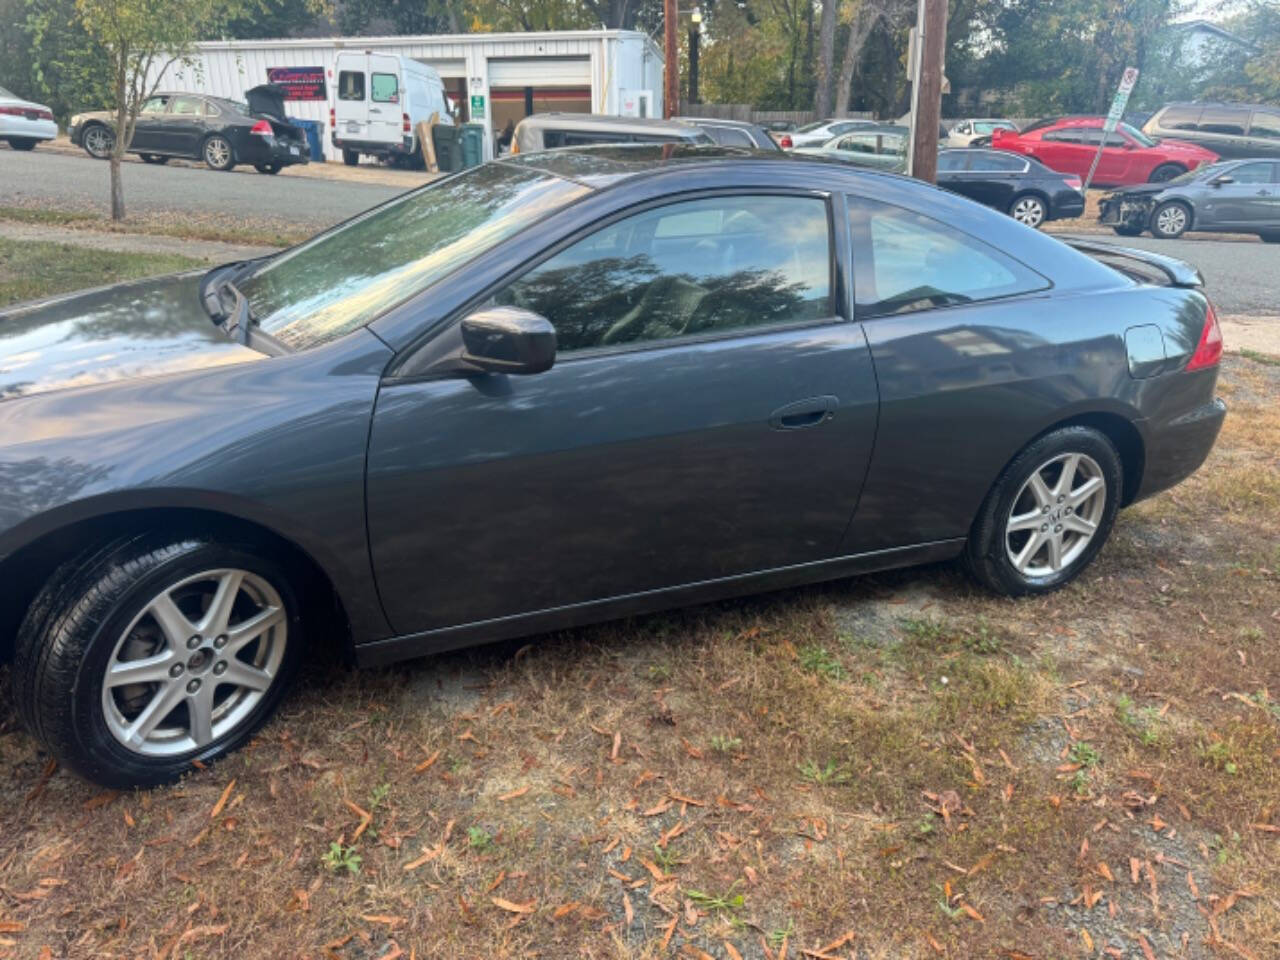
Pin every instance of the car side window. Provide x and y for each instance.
(729, 137)
(689, 269)
(188, 106)
(997, 163)
(1230, 121)
(1265, 123)
(351, 85)
(384, 88)
(951, 162)
(1252, 173)
(1180, 118)
(155, 104)
(904, 261)
(1065, 135)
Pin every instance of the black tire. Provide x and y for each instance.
(1170, 220)
(1128, 231)
(22, 143)
(217, 153)
(70, 636)
(1269, 237)
(1166, 172)
(153, 158)
(351, 157)
(98, 140)
(987, 552)
(1029, 209)
(270, 168)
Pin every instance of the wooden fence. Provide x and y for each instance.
(748, 113)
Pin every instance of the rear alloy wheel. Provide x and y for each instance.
(267, 167)
(1048, 515)
(98, 141)
(218, 154)
(143, 657)
(1166, 172)
(1170, 220)
(1029, 209)
(1269, 237)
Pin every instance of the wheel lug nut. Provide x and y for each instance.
(1044, 528)
(1045, 509)
(1061, 497)
(1068, 511)
(175, 670)
(220, 641)
(193, 686)
(1058, 528)
(194, 642)
(220, 667)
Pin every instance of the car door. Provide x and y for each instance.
(148, 132)
(952, 165)
(1116, 162)
(1063, 150)
(351, 97)
(993, 177)
(183, 126)
(1248, 200)
(710, 414)
(1222, 129)
(386, 97)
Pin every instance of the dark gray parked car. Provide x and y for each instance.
(1237, 196)
(734, 133)
(1231, 130)
(552, 390)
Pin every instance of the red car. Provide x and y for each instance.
(1068, 145)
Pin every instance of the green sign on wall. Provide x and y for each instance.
(477, 106)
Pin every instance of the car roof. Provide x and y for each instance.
(720, 122)
(597, 121)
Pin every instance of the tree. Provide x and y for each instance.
(142, 39)
(867, 17)
(826, 51)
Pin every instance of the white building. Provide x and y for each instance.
(493, 77)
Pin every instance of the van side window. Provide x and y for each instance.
(351, 85)
(385, 87)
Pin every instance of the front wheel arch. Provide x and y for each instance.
(29, 567)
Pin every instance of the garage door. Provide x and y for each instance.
(540, 71)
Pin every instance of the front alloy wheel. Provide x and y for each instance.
(194, 663)
(147, 655)
(1170, 221)
(98, 141)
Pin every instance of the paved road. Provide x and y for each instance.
(65, 182)
(1241, 277)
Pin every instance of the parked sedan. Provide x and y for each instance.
(734, 133)
(23, 123)
(975, 133)
(1236, 196)
(551, 390)
(1024, 188)
(878, 146)
(220, 132)
(820, 131)
(1069, 145)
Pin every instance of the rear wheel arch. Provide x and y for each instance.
(29, 567)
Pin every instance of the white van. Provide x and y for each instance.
(378, 101)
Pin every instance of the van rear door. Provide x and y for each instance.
(351, 97)
(386, 99)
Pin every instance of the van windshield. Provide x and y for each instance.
(348, 276)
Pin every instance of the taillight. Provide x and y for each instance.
(333, 118)
(1075, 183)
(405, 117)
(1209, 350)
(785, 141)
(262, 129)
(23, 111)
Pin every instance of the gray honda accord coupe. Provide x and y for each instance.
(551, 390)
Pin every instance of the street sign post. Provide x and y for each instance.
(1127, 82)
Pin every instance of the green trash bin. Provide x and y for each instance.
(448, 147)
(472, 144)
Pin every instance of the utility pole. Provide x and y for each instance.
(671, 93)
(926, 88)
(695, 36)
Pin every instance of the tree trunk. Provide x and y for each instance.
(117, 189)
(863, 21)
(121, 141)
(826, 51)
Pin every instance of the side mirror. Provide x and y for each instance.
(508, 340)
(1223, 180)
(493, 340)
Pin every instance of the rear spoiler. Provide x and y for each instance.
(1179, 272)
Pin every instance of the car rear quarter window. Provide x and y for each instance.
(1265, 124)
(696, 268)
(996, 163)
(1227, 121)
(351, 85)
(904, 262)
(729, 136)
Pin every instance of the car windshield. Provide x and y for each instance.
(1138, 135)
(810, 127)
(346, 277)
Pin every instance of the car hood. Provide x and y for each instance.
(128, 331)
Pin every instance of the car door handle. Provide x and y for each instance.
(804, 413)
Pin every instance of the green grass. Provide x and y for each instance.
(32, 270)
(205, 226)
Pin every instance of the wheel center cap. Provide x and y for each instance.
(199, 661)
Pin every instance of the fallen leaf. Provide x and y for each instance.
(732, 951)
(382, 918)
(427, 763)
(222, 800)
(514, 793)
(513, 907)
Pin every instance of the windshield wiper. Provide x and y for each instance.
(238, 320)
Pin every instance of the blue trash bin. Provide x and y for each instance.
(314, 130)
